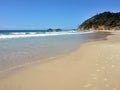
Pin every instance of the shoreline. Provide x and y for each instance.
(11, 70)
(88, 68)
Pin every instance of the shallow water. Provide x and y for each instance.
(19, 51)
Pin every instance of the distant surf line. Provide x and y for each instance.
(37, 34)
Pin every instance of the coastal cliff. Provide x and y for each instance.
(102, 21)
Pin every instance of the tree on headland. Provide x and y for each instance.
(102, 21)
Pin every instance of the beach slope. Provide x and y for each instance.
(94, 66)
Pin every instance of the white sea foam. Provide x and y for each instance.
(35, 34)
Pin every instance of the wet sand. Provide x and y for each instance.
(22, 52)
(94, 66)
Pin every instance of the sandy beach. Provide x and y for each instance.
(94, 66)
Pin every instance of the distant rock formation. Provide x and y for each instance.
(54, 30)
(102, 21)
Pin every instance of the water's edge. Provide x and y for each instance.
(96, 36)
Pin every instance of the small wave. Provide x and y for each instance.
(36, 34)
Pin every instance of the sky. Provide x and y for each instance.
(44, 14)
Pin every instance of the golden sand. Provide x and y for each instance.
(95, 66)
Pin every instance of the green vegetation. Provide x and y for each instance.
(102, 21)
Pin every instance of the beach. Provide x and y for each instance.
(94, 66)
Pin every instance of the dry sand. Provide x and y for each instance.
(95, 66)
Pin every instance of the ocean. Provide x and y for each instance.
(21, 48)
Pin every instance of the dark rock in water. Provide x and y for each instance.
(54, 30)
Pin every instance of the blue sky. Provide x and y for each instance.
(44, 14)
